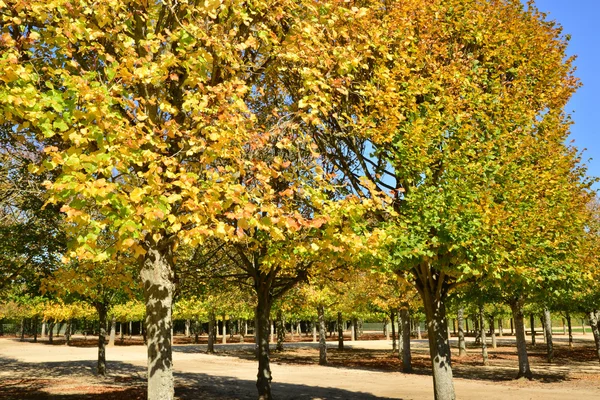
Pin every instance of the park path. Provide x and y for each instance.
(203, 376)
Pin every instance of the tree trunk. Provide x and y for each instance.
(280, 330)
(322, 333)
(130, 329)
(144, 335)
(493, 332)
(437, 332)
(477, 330)
(500, 333)
(102, 312)
(462, 348)
(22, 329)
(314, 330)
(224, 338)
(272, 331)
(394, 345)
(210, 349)
(512, 328)
(187, 328)
(404, 340)
(532, 323)
(359, 328)
(262, 315)
(113, 332)
(570, 329)
(517, 310)
(292, 331)
(484, 352)
(386, 329)
(595, 325)
(241, 330)
(51, 331)
(340, 323)
(35, 328)
(121, 326)
(353, 329)
(68, 332)
(43, 329)
(418, 326)
(157, 277)
(548, 329)
(196, 331)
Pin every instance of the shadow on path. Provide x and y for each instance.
(77, 380)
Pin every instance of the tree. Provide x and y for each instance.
(100, 285)
(152, 106)
(32, 240)
(435, 104)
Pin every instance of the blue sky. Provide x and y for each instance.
(580, 19)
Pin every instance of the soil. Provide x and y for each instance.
(365, 369)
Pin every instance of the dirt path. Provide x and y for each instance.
(42, 371)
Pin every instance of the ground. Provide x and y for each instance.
(365, 370)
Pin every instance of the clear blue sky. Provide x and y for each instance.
(581, 20)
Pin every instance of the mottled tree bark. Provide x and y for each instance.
(484, 352)
(68, 332)
(500, 327)
(570, 329)
(595, 325)
(433, 292)
(404, 342)
(102, 312)
(322, 333)
(263, 312)
(113, 332)
(35, 328)
(493, 332)
(340, 331)
(462, 348)
(280, 330)
(517, 310)
(157, 277)
(548, 330)
(51, 331)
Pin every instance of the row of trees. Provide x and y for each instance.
(172, 146)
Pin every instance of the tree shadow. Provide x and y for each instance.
(116, 370)
(77, 380)
(192, 386)
(503, 365)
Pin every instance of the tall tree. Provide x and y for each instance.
(152, 105)
(437, 105)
